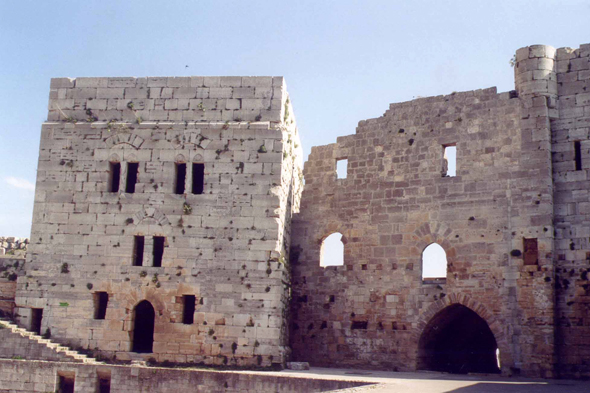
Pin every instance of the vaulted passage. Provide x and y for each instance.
(457, 340)
(143, 328)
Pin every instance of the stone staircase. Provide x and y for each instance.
(18, 343)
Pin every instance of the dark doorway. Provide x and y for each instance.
(36, 317)
(143, 329)
(66, 382)
(459, 341)
(101, 301)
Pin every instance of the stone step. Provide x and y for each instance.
(62, 350)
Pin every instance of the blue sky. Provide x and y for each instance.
(343, 61)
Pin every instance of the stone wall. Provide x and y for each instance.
(13, 246)
(10, 269)
(42, 377)
(373, 310)
(227, 247)
(572, 209)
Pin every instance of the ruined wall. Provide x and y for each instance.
(372, 311)
(572, 210)
(42, 377)
(10, 269)
(13, 246)
(223, 246)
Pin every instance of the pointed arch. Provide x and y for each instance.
(495, 325)
(153, 213)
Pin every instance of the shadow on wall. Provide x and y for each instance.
(539, 387)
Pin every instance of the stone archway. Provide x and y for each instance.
(457, 340)
(143, 327)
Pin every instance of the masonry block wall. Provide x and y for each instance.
(375, 309)
(175, 191)
(10, 269)
(571, 163)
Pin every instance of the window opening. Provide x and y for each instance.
(434, 264)
(188, 312)
(449, 162)
(66, 381)
(158, 251)
(180, 178)
(114, 176)
(36, 318)
(143, 327)
(578, 155)
(342, 168)
(101, 300)
(359, 325)
(531, 251)
(332, 251)
(138, 251)
(104, 381)
(132, 169)
(198, 178)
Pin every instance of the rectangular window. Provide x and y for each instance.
(531, 252)
(198, 178)
(36, 318)
(101, 300)
(578, 155)
(138, 251)
(449, 161)
(158, 251)
(132, 169)
(359, 325)
(342, 168)
(188, 311)
(114, 176)
(180, 178)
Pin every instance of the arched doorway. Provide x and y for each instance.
(143, 327)
(457, 340)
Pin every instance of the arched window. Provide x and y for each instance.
(332, 251)
(143, 327)
(434, 263)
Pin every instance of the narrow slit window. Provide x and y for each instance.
(180, 178)
(578, 155)
(101, 301)
(198, 178)
(449, 161)
(531, 252)
(342, 168)
(138, 251)
(188, 311)
(132, 169)
(114, 176)
(158, 251)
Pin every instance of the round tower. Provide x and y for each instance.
(534, 72)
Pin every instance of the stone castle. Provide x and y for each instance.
(172, 223)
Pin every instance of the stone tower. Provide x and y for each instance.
(162, 219)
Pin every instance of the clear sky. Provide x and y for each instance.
(343, 61)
